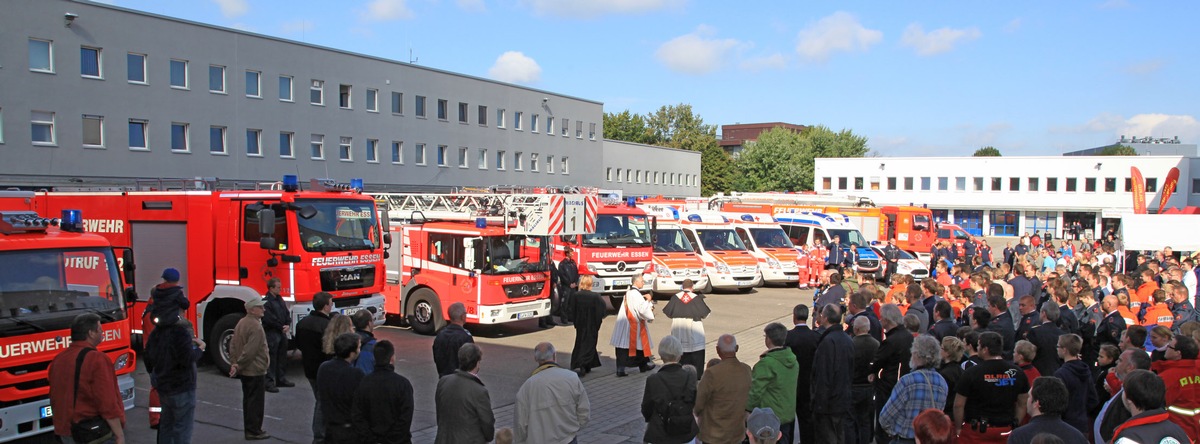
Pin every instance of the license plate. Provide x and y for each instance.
(792, 278)
(744, 283)
(350, 310)
(621, 281)
(46, 412)
(525, 314)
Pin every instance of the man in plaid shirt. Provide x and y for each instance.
(922, 388)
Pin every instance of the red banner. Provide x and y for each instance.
(1138, 190)
(1168, 188)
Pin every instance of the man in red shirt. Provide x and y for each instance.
(97, 393)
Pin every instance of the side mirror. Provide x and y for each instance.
(131, 295)
(387, 238)
(127, 270)
(266, 243)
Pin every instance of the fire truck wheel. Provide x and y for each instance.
(424, 312)
(218, 341)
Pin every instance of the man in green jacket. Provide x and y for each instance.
(773, 380)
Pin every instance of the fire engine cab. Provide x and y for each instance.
(492, 252)
(51, 272)
(228, 243)
(618, 249)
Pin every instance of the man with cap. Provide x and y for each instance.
(762, 427)
(167, 300)
(249, 359)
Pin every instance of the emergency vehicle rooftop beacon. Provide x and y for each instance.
(491, 252)
(229, 242)
(674, 258)
(50, 272)
(726, 261)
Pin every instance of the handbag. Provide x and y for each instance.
(89, 430)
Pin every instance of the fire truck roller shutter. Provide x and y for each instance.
(220, 313)
(163, 244)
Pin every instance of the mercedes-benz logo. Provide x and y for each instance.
(621, 266)
(525, 290)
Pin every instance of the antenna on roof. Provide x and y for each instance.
(411, 59)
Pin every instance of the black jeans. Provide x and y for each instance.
(277, 344)
(254, 393)
(862, 415)
(804, 419)
(696, 359)
(829, 428)
(624, 360)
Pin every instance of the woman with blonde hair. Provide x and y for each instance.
(338, 325)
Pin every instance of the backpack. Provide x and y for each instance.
(676, 415)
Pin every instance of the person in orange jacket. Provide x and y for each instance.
(1180, 373)
(1159, 313)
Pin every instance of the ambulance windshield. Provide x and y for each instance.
(43, 290)
(339, 225)
(671, 240)
(720, 239)
(613, 229)
(849, 237)
(771, 238)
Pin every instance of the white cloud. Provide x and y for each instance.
(297, 26)
(596, 8)
(756, 64)
(515, 67)
(839, 32)
(1014, 25)
(937, 41)
(1145, 67)
(471, 5)
(387, 10)
(695, 53)
(1162, 125)
(232, 8)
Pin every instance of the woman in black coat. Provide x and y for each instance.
(671, 389)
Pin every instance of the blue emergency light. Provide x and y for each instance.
(481, 222)
(291, 183)
(674, 213)
(747, 218)
(356, 184)
(72, 220)
(631, 201)
(694, 218)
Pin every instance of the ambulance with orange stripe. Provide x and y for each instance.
(777, 257)
(674, 258)
(727, 261)
(491, 252)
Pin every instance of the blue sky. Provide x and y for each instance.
(917, 78)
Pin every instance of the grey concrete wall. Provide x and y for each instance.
(678, 170)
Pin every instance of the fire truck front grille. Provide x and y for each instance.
(347, 278)
(524, 290)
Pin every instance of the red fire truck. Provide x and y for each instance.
(49, 275)
(618, 249)
(228, 243)
(490, 251)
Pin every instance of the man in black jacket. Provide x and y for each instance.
(1002, 322)
(833, 367)
(945, 325)
(803, 342)
(891, 360)
(276, 323)
(891, 254)
(171, 355)
(861, 390)
(450, 339)
(309, 332)
(1045, 338)
(857, 308)
(568, 284)
(383, 402)
(337, 381)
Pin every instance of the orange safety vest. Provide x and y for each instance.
(1130, 318)
(1159, 314)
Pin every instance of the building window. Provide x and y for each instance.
(826, 183)
(655, 182)
(345, 145)
(481, 160)
(285, 88)
(420, 105)
(500, 160)
(1, 125)
(216, 140)
(1128, 185)
(317, 147)
(286, 150)
(179, 73)
(344, 96)
(549, 126)
(316, 93)
(397, 103)
(608, 174)
(517, 116)
(42, 128)
(1041, 222)
(372, 100)
(566, 165)
(592, 131)
(1003, 223)
(462, 157)
(842, 183)
(442, 110)
(372, 151)
(943, 183)
(135, 68)
(1195, 186)
(483, 115)
(908, 184)
(1151, 184)
(926, 183)
(550, 165)
(89, 62)
(566, 124)
(1071, 184)
(398, 152)
(462, 112)
(216, 79)
(41, 55)
(1052, 184)
(254, 84)
(1110, 185)
(533, 123)
(996, 184)
(420, 153)
(518, 161)
(960, 184)
(254, 142)
(441, 155)
(1014, 184)
(1032, 184)
(137, 134)
(179, 138)
(630, 176)
(1089, 184)
(93, 131)
(978, 182)
(500, 117)
(858, 183)
(578, 129)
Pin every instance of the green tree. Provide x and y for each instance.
(628, 127)
(717, 170)
(1118, 150)
(987, 151)
(782, 160)
(673, 124)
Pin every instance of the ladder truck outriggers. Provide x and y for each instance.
(489, 251)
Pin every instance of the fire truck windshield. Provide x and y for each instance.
(771, 238)
(671, 240)
(516, 254)
(849, 237)
(339, 225)
(614, 229)
(43, 290)
(720, 239)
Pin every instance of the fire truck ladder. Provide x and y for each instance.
(532, 214)
(789, 199)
